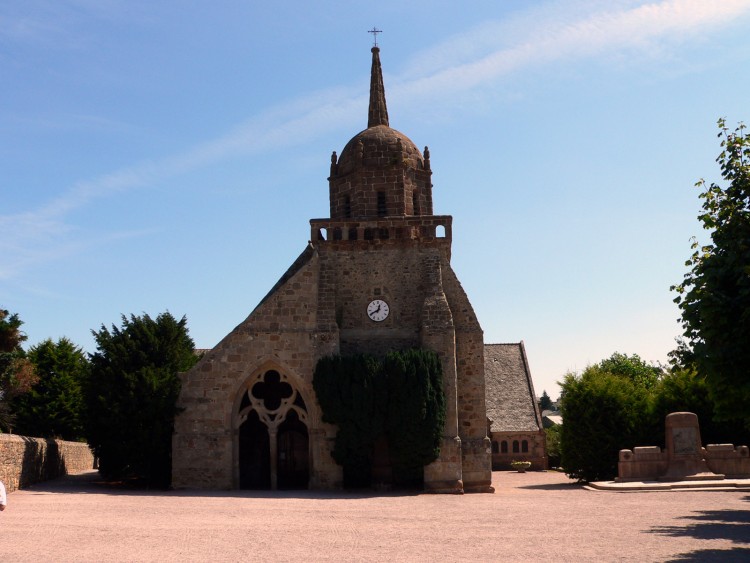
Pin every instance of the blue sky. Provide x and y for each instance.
(168, 155)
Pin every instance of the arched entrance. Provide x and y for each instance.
(292, 467)
(273, 448)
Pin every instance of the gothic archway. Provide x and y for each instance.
(273, 448)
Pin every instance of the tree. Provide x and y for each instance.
(399, 398)
(16, 371)
(131, 395)
(606, 409)
(714, 296)
(53, 407)
(416, 411)
(632, 368)
(352, 395)
(545, 403)
(684, 390)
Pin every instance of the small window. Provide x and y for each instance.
(525, 446)
(369, 234)
(353, 233)
(504, 447)
(347, 207)
(337, 234)
(515, 447)
(382, 209)
(415, 202)
(495, 447)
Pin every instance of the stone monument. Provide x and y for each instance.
(685, 455)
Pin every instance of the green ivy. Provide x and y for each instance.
(400, 397)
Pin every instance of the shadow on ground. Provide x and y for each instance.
(735, 555)
(93, 483)
(729, 525)
(552, 486)
(732, 525)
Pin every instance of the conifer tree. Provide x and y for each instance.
(131, 395)
(53, 407)
(16, 371)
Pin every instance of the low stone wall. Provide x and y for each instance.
(24, 460)
(648, 463)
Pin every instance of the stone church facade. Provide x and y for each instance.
(375, 277)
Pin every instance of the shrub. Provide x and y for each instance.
(400, 397)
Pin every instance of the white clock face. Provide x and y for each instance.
(378, 310)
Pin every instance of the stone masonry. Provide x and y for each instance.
(25, 461)
(250, 415)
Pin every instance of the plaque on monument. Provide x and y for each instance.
(684, 440)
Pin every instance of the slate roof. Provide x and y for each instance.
(509, 391)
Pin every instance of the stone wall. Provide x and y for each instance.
(24, 461)
(648, 463)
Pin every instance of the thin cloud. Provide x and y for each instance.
(478, 59)
(642, 28)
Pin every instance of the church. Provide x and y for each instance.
(375, 277)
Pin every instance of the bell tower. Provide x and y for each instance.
(381, 172)
(386, 282)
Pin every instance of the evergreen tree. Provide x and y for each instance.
(131, 395)
(16, 371)
(53, 407)
(545, 403)
(400, 398)
(351, 394)
(416, 410)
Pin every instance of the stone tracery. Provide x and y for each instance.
(272, 397)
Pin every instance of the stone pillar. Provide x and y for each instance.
(272, 434)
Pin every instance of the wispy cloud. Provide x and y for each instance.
(481, 56)
(471, 60)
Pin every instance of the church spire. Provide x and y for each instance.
(378, 112)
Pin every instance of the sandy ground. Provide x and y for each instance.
(532, 517)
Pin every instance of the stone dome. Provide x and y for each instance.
(379, 146)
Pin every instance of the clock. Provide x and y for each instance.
(378, 310)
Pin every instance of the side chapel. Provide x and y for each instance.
(375, 277)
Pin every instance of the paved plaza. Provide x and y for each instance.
(532, 517)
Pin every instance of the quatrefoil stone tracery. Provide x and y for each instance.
(272, 397)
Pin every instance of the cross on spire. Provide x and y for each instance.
(375, 32)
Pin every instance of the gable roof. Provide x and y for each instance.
(509, 391)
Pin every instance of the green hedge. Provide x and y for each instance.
(399, 397)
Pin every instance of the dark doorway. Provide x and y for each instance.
(255, 454)
(382, 472)
(293, 470)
